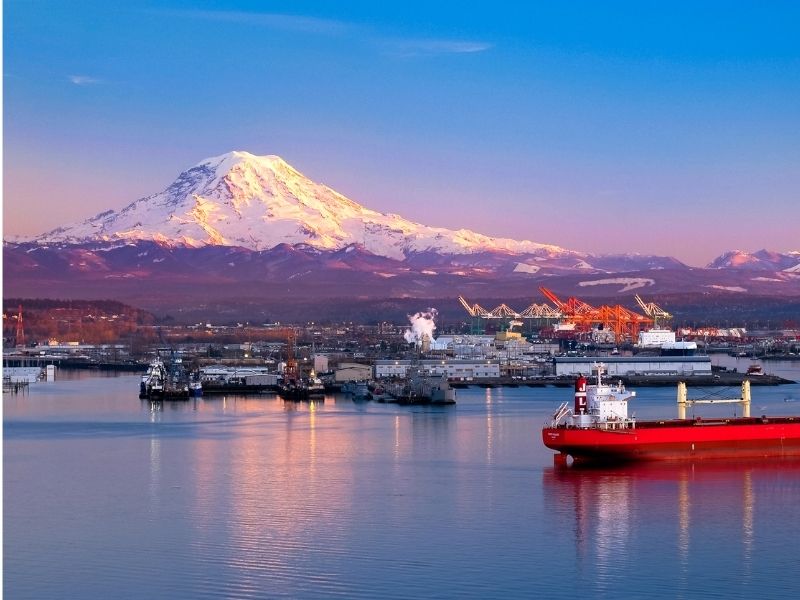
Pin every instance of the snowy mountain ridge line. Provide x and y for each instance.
(760, 260)
(258, 202)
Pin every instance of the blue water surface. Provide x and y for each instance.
(107, 496)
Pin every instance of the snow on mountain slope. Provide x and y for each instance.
(762, 260)
(258, 202)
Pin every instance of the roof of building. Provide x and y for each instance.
(631, 359)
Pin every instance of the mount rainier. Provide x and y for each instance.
(258, 202)
(240, 225)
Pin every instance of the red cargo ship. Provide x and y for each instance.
(598, 429)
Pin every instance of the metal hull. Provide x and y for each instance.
(680, 439)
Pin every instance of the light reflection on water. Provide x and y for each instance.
(720, 521)
(243, 497)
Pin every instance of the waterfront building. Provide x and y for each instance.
(453, 368)
(634, 365)
(352, 372)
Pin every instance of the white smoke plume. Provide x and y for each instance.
(422, 324)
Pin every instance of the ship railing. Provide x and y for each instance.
(618, 423)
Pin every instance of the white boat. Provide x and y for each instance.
(316, 389)
(755, 369)
(152, 384)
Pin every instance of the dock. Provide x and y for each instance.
(14, 387)
(717, 379)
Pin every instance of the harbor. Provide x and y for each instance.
(81, 451)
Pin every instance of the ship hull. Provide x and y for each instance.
(679, 440)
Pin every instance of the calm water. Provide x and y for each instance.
(106, 496)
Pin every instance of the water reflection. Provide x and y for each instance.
(155, 474)
(489, 427)
(254, 497)
(602, 507)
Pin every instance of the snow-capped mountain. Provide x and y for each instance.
(240, 225)
(258, 202)
(762, 260)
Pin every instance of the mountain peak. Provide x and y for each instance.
(258, 202)
(225, 162)
(761, 260)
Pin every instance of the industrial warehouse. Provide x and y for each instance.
(625, 366)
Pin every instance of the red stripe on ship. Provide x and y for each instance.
(680, 439)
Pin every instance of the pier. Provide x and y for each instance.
(720, 379)
(14, 387)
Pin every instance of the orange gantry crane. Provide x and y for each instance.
(624, 323)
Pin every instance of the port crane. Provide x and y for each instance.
(653, 310)
(504, 312)
(624, 323)
(474, 310)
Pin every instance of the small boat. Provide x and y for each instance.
(153, 381)
(166, 380)
(755, 369)
(358, 389)
(195, 389)
(361, 391)
(316, 389)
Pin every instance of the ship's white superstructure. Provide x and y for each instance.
(601, 404)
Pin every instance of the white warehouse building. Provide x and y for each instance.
(634, 365)
(456, 369)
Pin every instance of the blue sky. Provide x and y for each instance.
(668, 128)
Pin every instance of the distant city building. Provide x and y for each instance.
(459, 369)
(352, 372)
(320, 363)
(655, 338)
(634, 365)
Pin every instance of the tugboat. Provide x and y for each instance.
(195, 385)
(598, 429)
(165, 380)
(293, 390)
(152, 383)
(316, 389)
(755, 369)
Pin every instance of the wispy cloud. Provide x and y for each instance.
(428, 47)
(395, 46)
(83, 80)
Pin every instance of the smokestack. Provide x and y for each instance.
(426, 343)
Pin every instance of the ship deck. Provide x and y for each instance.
(699, 422)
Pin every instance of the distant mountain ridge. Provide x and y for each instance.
(240, 222)
(258, 202)
(761, 260)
